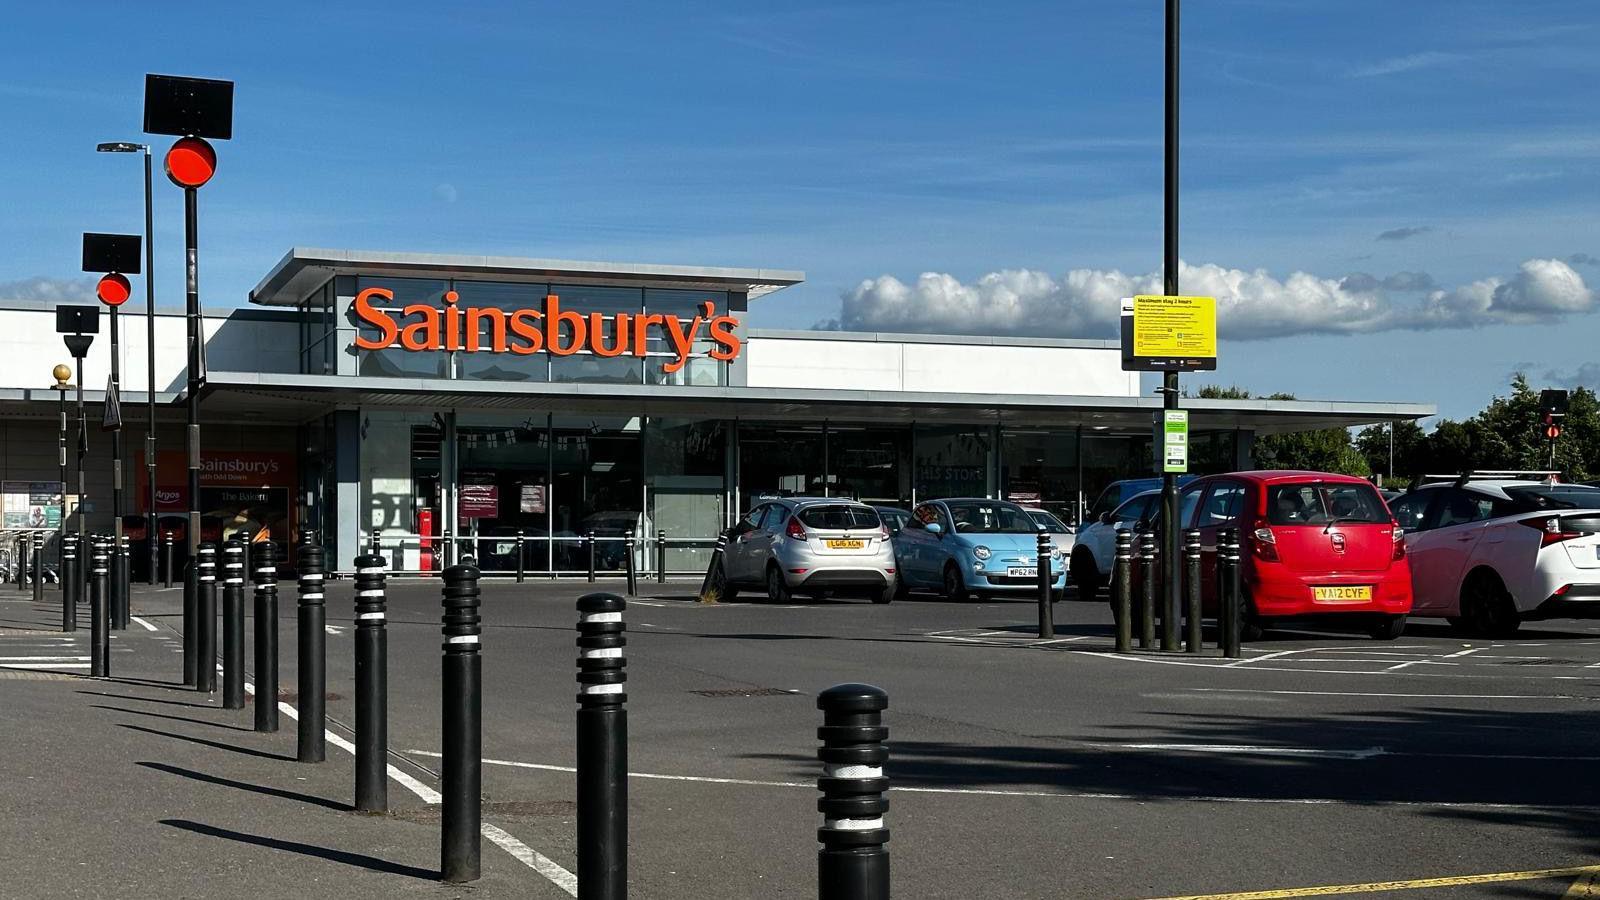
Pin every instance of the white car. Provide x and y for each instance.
(1489, 554)
(1095, 548)
(1062, 535)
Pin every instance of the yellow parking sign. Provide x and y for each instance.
(1169, 333)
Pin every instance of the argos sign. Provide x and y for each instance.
(561, 332)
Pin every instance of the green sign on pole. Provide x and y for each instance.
(1173, 448)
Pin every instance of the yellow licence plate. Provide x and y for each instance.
(1342, 594)
(846, 545)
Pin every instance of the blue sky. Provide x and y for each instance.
(1430, 166)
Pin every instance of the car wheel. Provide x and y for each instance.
(1487, 607)
(1387, 628)
(1085, 574)
(777, 589)
(721, 586)
(955, 587)
(887, 593)
(1253, 630)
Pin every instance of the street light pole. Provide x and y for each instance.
(1172, 563)
(150, 351)
(62, 373)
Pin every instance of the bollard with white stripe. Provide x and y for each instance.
(602, 749)
(311, 654)
(38, 567)
(1046, 580)
(233, 626)
(1191, 556)
(166, 559)
(99, 611)
(205, 611)
(461, 765)
(372, 686)
(124, 571)
(1122, 590)
(69, 582)
(264, 573)
(853, 863)
(1147, 591)
(633, 575)
(1230, 617)
(522, 562)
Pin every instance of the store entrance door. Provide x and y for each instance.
(685, 513)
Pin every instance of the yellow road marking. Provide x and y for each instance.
(1583, 887)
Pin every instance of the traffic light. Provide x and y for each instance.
(1552, 403)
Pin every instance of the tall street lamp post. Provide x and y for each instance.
(117, 255)
(150, 343)
(1172, 561)
(62, 373)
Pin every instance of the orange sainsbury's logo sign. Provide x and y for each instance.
(561, 332)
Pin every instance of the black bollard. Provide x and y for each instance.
(233, 625)
(166, 554)
(69, 582)
(633, 579)
(375, 542)
(21, 556)
(461, 765)
(661, 557)
(1147, 591)
(716, 563)
(588, 543)
(449, 548)
(264, 573)
(1122, 590)
(522, 566)
(853, 863)
(99, 612)
(205, 611)
(1047, 625)
(311, 648)
(38, 567)
(125, 586)
(602, 749)
(191, 621)
(1231, 618)
(372, 686)
(1191, 550)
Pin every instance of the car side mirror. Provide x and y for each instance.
(1105, 518)
(934, 528)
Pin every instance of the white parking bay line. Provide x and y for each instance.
(524, 854)
(1252, 750)
(1378, 694)
(146, 625)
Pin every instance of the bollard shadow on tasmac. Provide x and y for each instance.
(359, 860)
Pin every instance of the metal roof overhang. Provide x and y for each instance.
(303, 397)
(304, 269)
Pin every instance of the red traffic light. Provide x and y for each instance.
(113, 289)
(1552, 431)
(191, 162)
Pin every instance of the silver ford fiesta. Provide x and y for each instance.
(810, 545)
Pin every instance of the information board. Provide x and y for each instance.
(1173, 443)
(30, 504)
(1169, 334)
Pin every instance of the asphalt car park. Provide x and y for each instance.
(1030, 768)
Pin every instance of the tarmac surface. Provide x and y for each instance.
(1321, 764)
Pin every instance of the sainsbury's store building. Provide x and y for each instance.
(417, 394)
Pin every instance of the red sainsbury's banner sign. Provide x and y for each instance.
(561, 332)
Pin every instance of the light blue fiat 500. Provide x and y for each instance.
(972, 546)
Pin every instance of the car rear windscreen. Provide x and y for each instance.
(1554, 496)
(839, 517)
(1313, 503)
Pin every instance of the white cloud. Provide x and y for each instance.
(1408, 63)
(1586, 375)
(1250, 304)
(49, 290)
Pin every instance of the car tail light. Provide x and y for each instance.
(794, 529)
(1265, 543)
(883, 532)
(1550, 530)
(1399, 544)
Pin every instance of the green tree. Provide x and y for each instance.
(1410, 450)
(1324, 450)
(1509, 434)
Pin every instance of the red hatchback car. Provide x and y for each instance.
(1315, 545)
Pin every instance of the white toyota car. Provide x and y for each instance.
(1489, 552)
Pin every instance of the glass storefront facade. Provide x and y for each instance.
(485, 478)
